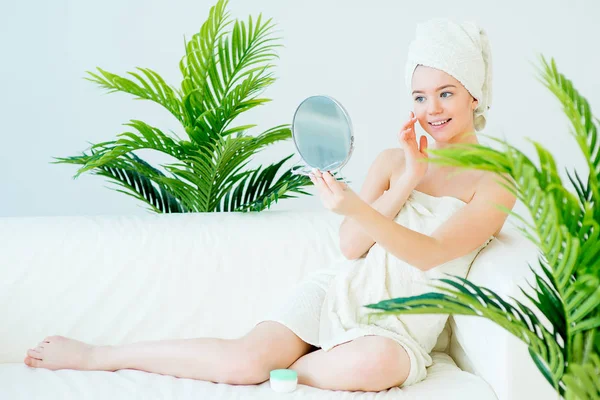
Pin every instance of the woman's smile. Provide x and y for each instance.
(439, 125)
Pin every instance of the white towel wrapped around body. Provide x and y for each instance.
(327, 308)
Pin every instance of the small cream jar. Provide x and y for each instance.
(283, 380)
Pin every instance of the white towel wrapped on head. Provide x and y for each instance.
(462, 51)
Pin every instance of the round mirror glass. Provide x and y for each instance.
(322, 133)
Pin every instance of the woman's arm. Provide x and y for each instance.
(462, 233)
(354, 240)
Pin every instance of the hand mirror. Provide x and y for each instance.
(322, 133)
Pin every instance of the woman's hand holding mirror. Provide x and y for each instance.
(335, 195)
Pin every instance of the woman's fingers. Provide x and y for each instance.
(332, 184)
(317, 178)
(410, 123)
(423, 144)
(405, 136)
(318, 183)
(408, 135)
(408, 129)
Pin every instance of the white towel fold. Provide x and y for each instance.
(462, 50)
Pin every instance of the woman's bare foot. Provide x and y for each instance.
(59, 352)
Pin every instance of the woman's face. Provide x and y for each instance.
(438, 96)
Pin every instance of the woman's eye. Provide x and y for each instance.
(417, 99)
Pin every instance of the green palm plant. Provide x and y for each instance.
(566, 231)
(221, 76)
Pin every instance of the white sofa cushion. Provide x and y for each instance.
(17, 381)
(120, 279)
(494, 353)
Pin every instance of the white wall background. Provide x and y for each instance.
(352, 50)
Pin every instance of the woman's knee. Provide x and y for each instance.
(250, 365)
(385, 365)
(257, 354)
(273, 346)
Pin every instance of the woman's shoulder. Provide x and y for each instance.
(393, 154)
(490, 189)
(396, 153)
(490, 185)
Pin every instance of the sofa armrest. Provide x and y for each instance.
(492, 352)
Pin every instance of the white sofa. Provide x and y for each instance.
(119, 279)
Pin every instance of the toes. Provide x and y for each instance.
(34, 354)
(32, 362)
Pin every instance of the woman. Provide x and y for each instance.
(413, 221)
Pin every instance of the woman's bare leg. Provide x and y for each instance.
(368, 363)
(246, 360)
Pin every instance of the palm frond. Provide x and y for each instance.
(461, 297)
(582, 380)
(208, 84)
(138, 178)
(238, 100)
(151, 86)
(195, 66)
(255, 192)
(146, 137)
(127, 172)
(584, 129)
